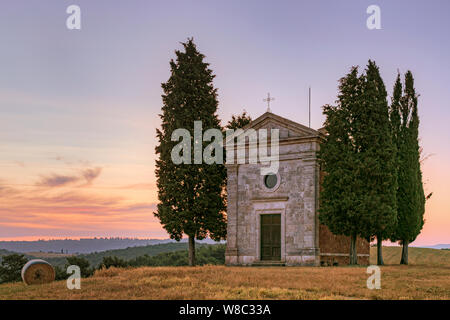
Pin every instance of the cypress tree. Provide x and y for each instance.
(358, 197)
(378, 159)
(410, 193)
(339, 198)
(192, 197)
(395, 115)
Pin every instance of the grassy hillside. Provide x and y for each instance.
(126, 254)
(220, 282)
(47, 255)
(133, 252)
(417, 256)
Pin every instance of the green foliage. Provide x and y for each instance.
(113, 261)
(358, 196)
(60, 273)
(160, 250)
(239, 121)
(96, 258)
(338, 160)
(83, 263)
(410, 193)
(11, 267)
(378, 157)
(126, 254)
(192, 197)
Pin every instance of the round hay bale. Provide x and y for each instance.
(38, 271)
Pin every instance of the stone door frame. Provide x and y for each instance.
(270, 206)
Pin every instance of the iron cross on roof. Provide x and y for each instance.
(268, 100)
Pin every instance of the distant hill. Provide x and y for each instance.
(438, 246)
(82, 246)
(416, 256)
(71, 246)
(126, 254)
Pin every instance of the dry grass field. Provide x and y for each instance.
(417, 256)
(421, 281)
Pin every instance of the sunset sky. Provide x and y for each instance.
(79, 108)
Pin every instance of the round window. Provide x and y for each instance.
(270, 180)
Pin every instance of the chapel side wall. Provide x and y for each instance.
(334, 249)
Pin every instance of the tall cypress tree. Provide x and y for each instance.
(410, 193)
(419, 198)
(378, 159)
(395, 115)
(358, 197)
(339, 198)
(192, 197)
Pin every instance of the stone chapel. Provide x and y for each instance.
(273, 219)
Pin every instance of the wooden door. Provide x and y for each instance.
(270, 237)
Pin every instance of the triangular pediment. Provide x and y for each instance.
(288, 128)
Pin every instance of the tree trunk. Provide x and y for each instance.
(353, 251)
(192, 251)
(404, 259)
(380, 261)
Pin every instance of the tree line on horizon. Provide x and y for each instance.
(373, 183)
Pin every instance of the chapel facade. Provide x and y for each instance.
(273, 218)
